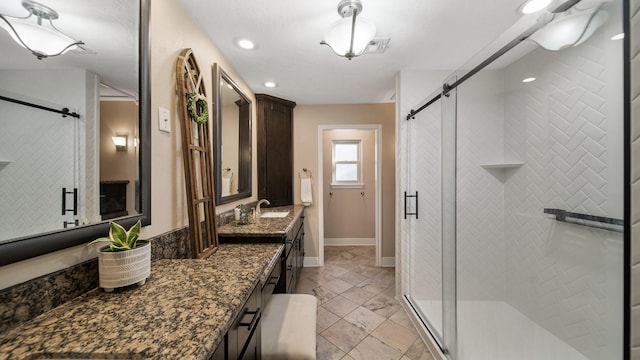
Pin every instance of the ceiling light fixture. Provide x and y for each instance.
(346, 37)
(528, 80)
(246, 44)
(533, 6)
(40, 37)
(270, 84)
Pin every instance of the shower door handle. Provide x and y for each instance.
(405, 204)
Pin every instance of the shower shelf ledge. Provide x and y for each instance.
(4, 163)
(502, 165)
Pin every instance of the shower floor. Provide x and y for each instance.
(494, 330)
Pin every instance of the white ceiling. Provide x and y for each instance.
(108, 28)
(425, 35)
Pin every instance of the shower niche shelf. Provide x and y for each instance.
(502, 165)
(4, 163)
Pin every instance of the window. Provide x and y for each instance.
(347, 163)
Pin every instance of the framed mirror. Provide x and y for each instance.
(232, 116)
(75, 139)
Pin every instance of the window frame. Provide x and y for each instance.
(356, 184)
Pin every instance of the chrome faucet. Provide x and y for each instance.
(262, 201)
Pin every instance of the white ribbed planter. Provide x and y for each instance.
(123, 268)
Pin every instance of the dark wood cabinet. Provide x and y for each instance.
(275, 149)
(113, 199)
(242, 341)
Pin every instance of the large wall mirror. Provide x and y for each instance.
(232, 115)
(80, 157)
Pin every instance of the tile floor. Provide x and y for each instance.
(358, 316)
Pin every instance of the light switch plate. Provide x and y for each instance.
(164, 120)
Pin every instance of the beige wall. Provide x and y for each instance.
(171, 31)
(306, 120)
(230, 142)
(635, 178)
(119, 118)
(348, 213)
(168, 38)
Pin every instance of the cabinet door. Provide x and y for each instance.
(275, 149)
(279, 155)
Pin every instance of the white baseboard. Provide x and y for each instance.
(349, 241)
(388, 261)
(311, 261)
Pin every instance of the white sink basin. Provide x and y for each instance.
(274, 214)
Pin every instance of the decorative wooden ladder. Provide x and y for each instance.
(197, 155)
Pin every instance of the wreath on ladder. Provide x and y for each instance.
(197, 107)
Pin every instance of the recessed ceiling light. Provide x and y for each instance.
(246, 44)
(270, 84)
(618, 36)
(533, 6)
(528, 80)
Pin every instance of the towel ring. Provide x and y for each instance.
(307, 172)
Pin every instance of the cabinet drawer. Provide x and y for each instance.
(290, 273)
(272, 281)
(249, 320)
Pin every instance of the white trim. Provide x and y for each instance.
(350, 241)
(311, 261)
(389, 261)
(378, 186)
(342, 185)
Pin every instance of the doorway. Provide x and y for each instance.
(349, 189)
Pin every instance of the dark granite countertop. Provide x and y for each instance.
(264, 227)
(183, 311)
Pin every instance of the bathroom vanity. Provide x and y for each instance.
(196, 309)
(287, 230)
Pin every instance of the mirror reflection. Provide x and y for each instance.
(233, 139)
(60, 171)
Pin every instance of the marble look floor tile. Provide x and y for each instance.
(418, 351)
(382, 305)
(340, 306)
(325, 319)
(347, 357)
(372, 349)
(365, 319)
(353, 277)
(327, 351)
(336, 271)
(367, 270)
(322, 294)
(305, 286)
(358, 295)
(400, 317)
(338, 286)
(395, 335)
(390, 291)
(344, 335)
(373, 285)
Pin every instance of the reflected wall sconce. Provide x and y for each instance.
(120, 141)
(36, 31)
(347, 37)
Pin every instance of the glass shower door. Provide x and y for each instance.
(422, 184)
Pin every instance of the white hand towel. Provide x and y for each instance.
(226, 186)
(305, 192)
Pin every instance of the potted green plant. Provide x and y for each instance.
(126, 260)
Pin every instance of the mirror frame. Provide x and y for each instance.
(19, 249)
(247, 166)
